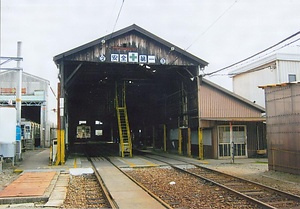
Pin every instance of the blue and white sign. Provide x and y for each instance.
(163, 61)
(133, 57)
(123, 57)
(114, 57)
(151, 58)
(143, 58)
(102, 58)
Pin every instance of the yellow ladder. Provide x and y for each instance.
(123, 124)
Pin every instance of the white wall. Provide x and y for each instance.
(246, 84)
(288, 67)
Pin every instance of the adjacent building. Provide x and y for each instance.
(274, 69)
(34, 105)
(283, 126)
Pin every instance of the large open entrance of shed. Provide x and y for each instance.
(155, 95)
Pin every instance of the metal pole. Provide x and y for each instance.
(18, 98)
(231, 143)
(19, 85)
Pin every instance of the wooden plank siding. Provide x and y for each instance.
(131, 42)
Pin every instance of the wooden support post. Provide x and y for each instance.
(189, 144)
(165, 137)
(179, 141)
(153, 137)
(200, 142)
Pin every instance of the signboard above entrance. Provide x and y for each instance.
(131, 57)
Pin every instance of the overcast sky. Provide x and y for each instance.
(220, 32)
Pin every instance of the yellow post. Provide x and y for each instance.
(62, 147)
(165, 137)
(200, 142)
(179, 141)
(189, 148)
(58, 157)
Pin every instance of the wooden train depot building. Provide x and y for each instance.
(134, 88)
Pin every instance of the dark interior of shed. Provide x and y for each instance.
(32, 113)
(155, 95)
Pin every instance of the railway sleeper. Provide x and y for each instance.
(286, 202)
(250, 190)
(254, 193)
(234, 184)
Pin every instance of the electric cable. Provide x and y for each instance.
(211, 25)
(243, 60)
(118, 17)
(110, 17)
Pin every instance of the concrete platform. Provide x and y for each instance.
(125, 192)
(29, 184)
(38, 182)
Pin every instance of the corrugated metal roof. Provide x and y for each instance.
(26, 74)
(258, 119)
(126, 30)
(264, 62)
(278, 84)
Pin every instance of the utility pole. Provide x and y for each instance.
(19, 98)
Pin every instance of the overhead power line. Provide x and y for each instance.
(280, 42)
(118, 17)
(211, 25)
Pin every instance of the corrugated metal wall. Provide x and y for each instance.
(215, 104)
(283, 127)
(29, 83)
(287, 67)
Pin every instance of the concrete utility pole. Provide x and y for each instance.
(19, 98)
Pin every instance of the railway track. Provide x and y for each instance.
(259, 194)
(106, 195)
(88, 191)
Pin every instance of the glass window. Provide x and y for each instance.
(292, 78)
(98, 132)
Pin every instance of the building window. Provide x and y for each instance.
(292, 78)
(98, 132)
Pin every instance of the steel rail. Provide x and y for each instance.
(254, 200)
(108, 196)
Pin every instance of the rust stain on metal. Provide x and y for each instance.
(29, 184)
